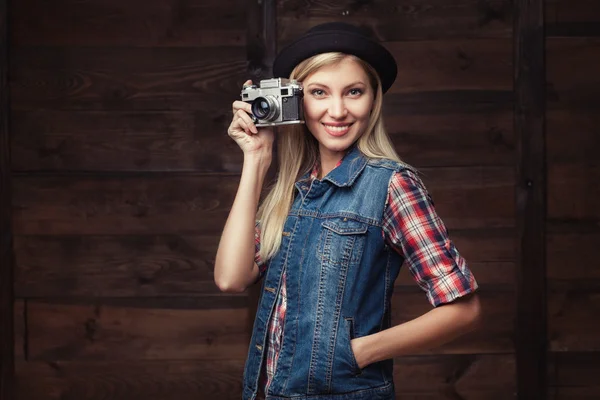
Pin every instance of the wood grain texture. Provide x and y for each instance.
(205, 79)
(115, 266)
(93, 330)
(124, 141)
(452, 377)
(447, 65)
(468, 198)
(130, 379)
(495, 335)
(574, 375)
(46, 140)
(573, 309)
(568, 89)
(453, 139)
(393, 21)
(156, 23)
(6, 236)
(572, 18)
(572, 192)
(531, 199)
(573, 136)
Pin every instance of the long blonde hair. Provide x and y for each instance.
(298, 151)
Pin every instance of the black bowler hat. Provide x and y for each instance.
(337, 37)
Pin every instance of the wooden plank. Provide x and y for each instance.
(115, 266)
(573, 309)
(575, 375)
(128, 380)
(190, 204)
(197, 141)
(96, 331)
(153, 23)
(572, 256)
(7, 369)
(568, 90)
(20, 329)
(461, 376)
(391, 21)
(530, 105)
(452, 139)
(490, 254)
(572, 18)
(459, 64)
(126, 79)
(573, 193)
(494, 336)
(157, 204)
(572, 136)
(121, 140)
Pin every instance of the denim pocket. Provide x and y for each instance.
(349, 335)
(342, 241)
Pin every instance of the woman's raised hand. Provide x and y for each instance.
(252, 140)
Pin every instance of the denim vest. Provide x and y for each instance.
(339, 279)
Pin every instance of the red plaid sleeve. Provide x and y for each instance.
(262, 267)
(413, 228)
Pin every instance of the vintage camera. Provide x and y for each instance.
(275, 102)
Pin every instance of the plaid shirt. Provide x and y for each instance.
(412, 228)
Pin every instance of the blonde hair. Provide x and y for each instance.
(298, 151)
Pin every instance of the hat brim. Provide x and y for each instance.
(344, 42)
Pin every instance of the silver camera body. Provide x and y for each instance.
(276, 101)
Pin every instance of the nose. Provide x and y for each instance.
(337, 108)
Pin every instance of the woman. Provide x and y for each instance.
(342, 217)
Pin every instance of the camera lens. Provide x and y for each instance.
(265, 108)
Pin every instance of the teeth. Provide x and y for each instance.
(337, 128)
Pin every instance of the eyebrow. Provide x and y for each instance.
(346, 87)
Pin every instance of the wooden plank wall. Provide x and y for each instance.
(6, 256)
(573, 220)
(450, 113)
(123, 177)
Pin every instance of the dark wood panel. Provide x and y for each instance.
(95, 331)
(573, 256)
(573, 309)
(128, 23)
(574, 375)
(495, 335)
(128, 380)
(115, 266)
(453, 377)
(198, 205)
(572, 18)
(157, 204)
(86, 78)
(97, 140)
(573, 136)
(478, 102)
(573, 192)
(490, 254)
(390, 20)
(472, 197)
(448, 65)
(567, 89)
(7, 369)
(452, 139)
(20, 330)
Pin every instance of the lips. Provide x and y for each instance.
(337, 129)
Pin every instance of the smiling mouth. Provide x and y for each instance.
(337, 128)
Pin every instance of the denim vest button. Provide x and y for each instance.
(259, 347)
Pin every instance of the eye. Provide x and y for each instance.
(317, 92)
(355, 92)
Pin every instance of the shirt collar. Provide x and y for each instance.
(345, 172)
